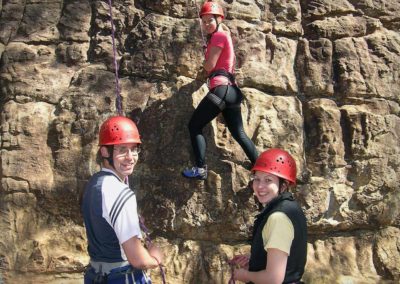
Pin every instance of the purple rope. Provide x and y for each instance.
(145, 230)
(118, 101)
(232, 279)
(148, 242)
(148, 239)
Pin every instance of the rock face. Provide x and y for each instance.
(321, 79)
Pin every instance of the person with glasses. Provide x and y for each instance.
(278, 251)
(224, 95)
(115, 242)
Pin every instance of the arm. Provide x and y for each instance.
(126, 225)
(274, 273)
(139, 257)
(212, 58)
(277, 234)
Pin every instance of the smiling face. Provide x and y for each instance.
(209, 23)
(265, 186)
(125, 157)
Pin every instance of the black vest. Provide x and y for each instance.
(298, 251)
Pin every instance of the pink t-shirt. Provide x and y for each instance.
(225, 61)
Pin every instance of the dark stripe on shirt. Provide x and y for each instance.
(113, 219)
(118, 201)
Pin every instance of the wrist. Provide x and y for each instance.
(247, 275)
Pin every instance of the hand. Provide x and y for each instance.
(241, 260)
(156, 253)
(201, 74)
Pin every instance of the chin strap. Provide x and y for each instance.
(110, 150)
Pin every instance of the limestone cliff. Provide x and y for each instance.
(321, 79)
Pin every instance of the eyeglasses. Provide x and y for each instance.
(124, 151)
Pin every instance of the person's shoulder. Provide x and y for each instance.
(278, 216)
(279, 220)
(113, 184)
(96, 179)
(222, 34)
(291, 206)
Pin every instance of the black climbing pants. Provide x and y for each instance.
(208, 109)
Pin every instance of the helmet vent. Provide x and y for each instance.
(118, 130)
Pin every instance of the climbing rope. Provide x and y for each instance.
(232, 268)
(119, 109)
(149, 242)
(201, 26)
(118, 101)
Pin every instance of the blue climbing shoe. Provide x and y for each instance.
(195, 173)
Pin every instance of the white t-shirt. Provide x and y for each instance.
(120, 208)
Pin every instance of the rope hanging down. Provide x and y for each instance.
(232, 268)
(201, 26)
(118, 101)
(119, 109)
(148, 242)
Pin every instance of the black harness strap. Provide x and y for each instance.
(222, 72)
(214, 98)
(220, 103)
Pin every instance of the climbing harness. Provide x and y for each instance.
(97, 275)
(119, 109)
(220, 103)
(222, 72)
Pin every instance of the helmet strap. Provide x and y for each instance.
(216, 20)
(110, 151)
(283, 185)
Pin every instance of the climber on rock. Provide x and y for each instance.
(224, 95)
(115, 246)
(279, 244)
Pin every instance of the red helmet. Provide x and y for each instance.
(277, 162)
(211, 8)
(118, 130)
